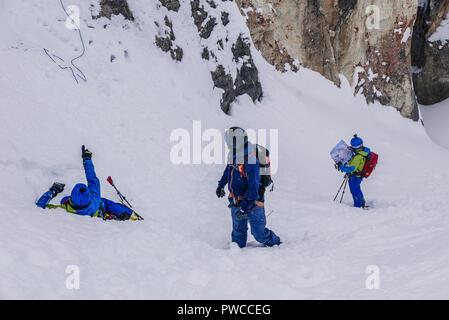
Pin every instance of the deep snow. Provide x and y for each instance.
(434, 118)
(125, 114)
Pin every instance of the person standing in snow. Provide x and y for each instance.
(85, 200)
(242, 175)
(354, 169)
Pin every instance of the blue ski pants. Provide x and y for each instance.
(356, 191)
(257, 221)
(117, 209)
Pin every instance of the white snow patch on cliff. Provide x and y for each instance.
(406, 36)
(442, 32)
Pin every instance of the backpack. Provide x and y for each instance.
(370, 164)
(263, 155)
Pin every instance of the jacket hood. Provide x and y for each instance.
(80, 196)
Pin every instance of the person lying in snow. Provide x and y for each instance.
(242, 175)
(85, 200)
(354, 170)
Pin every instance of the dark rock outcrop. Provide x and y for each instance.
(237, 77)
(430, 59)
(115, 7)
(224, 81)
(166, 42)
(246, 80)
(172, 5)
(199, 15)
(224, 18)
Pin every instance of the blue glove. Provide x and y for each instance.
(337, 166)
(347, 170)
(44, 199)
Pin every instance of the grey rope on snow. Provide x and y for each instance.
(78, 72)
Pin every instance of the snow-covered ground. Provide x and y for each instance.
(435, 121)
(125, 114)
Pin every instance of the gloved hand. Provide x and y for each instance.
(240, 214)
(220, 192)
(57, 188)
(85, 154)
(337, 166)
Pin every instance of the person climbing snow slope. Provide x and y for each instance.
(354, 170)
(86, 200)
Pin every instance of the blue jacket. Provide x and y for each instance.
(243, 179)
(94, 187)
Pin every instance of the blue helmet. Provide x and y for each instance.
(80, 195)
(356, 142)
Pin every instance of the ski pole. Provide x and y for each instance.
(346, 182)
(122, 197)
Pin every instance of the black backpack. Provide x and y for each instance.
(263, 155)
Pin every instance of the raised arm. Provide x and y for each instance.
(92, 181)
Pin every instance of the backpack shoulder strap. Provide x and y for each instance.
(67, 205)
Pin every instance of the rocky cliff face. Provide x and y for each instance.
(236, 76)
(225, 44)
(430, 52)
(227, 51)
(368, 41)
(386, 49)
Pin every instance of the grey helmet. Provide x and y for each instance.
(236, 138)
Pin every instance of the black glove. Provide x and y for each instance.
(57, 188)
(240, 214)
(220, 192)
(85, 154)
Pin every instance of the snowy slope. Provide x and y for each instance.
(125, 114)
(435, 117)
